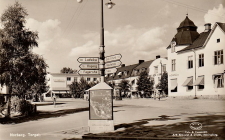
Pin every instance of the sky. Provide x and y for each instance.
(136, 29)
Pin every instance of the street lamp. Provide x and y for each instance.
(195, 70)
(109, 4)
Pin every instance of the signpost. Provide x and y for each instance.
(89, 66)
(113, 64)
(84, 72)
(112, 70)
(111, 58)
(88, 59)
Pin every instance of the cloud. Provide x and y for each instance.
(215, 15)
(47, 32)
(84, 50)
(126, 40)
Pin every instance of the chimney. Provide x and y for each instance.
(207, 27)
(123, 65)
(157, 56)
(141, 61)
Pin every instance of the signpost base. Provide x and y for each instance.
(100, 126)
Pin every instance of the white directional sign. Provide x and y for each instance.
(89, 66)
(113, 58)
(112, 70)
(88, 59)
(113, 64)
(83, 72)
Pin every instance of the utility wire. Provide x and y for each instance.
(191, 7)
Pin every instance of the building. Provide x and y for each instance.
(132, 72)
(195, 61)
(59, 82)
(157, 68)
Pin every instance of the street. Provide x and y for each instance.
(127, 111)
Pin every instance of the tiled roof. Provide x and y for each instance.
(186, 33)
(127, 69)
(186, 22)
(142, 67)
(222, 26)
(199, 42)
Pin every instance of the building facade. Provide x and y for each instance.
(196, 66)
(59, 82)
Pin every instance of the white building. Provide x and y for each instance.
(195, 61)
(157, 68)
(59, 82)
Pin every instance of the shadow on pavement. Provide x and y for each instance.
(213, 127)
(41, 115)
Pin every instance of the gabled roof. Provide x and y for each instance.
(199, 42)
(142, 67)
(116, 76)
(222, 26)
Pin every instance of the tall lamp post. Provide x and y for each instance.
(109, 4)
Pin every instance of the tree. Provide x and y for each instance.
(20, 68)
(68, 70)
(124, 86)
(75, 89)
(163, 85)
(145, 84)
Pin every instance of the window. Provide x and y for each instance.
(188, 83)
(156, 69)
(218, 40)
(219, 81)
(201, 60)
(218, 57)
(173, 86)
(164, 68)
(173, 64)
(95, 79)
(68, 78)
(190, 62)
(75, 79)
(200, 82)
(88, 79)
(173, 44)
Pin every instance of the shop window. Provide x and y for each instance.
(218, 57)
(173, 85)
(190, 62)
(189, 87)
(201, 60)
(219, 81)
(68, 78)
(173, 64)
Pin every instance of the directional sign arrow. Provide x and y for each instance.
(83, 72)
(113, 58)
(113, 64)
(112, 70)
(88, 59)
(89, 66)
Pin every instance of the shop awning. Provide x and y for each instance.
(188, 82)
(199, 81)
(173, 84)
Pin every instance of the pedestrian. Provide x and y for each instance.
(159, 95)
(54, 99)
